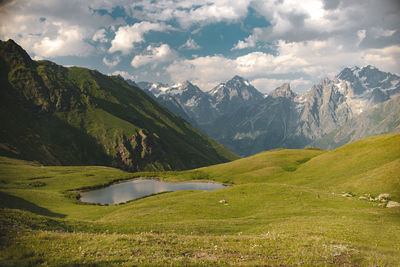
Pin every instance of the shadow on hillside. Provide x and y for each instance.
(13, 202)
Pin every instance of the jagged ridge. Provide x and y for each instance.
(238, 116)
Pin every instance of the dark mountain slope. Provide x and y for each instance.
(58, 115)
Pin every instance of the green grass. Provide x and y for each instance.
(285, 208)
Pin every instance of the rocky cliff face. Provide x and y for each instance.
(381, 119)
(332, 103)
(321, 109)
(135, 152)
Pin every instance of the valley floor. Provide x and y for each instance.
(286, 207)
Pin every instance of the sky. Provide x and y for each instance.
(268, 42)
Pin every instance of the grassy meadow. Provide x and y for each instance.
(285, 207)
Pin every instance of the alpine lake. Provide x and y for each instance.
(139, 188)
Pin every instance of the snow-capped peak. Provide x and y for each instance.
(237, 82)
(235, 88)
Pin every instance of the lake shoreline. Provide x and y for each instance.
(150, 184)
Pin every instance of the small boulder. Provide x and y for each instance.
(392, 204)
(363, 198)
(223, 201)
(383, 197)
(347, 195)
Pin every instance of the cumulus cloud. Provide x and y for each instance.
(111, 63)
(204, 71)
(385, 58)
(67, 42)
(52, 28)
(250, 41)
(190, 45)
(100, 36)
(266, 85)
(189, 12)
(319, 20)
(155, 56)
(127, 36)
(215, 11)
(311, 39)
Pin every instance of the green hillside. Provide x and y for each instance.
(286, 207)
(76, 116)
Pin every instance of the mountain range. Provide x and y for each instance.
(58, 115)
(240, 117)
(75, 116)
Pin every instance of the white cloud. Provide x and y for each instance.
(214, 11)
(154, 55)
(52, 28)
(190, 45)
(314, 38)
(314, 20)
(67, 42)
(361, 35)
(189, 12)
(127, 36)
(385, 58)
(266, 85)
(250, 41)
(111, 63)
(124, 74)
(204, 71)
(100, 36)
(387, 33)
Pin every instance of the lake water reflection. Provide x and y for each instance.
(119, 193)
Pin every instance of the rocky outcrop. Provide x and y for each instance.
(283, 91)
(383, 197)
(392, 204)
(135, 152)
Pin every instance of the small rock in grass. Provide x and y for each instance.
(372, 199)
(223, 201)
(363, 198)
(383, 197)
(392, 204)
(347, 195)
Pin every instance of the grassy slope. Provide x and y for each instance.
(285, 208)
